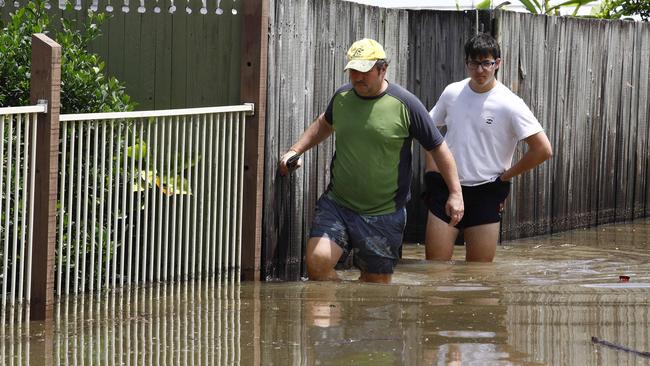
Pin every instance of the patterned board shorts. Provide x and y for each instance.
(375, 239)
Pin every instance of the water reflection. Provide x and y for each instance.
(538, 304)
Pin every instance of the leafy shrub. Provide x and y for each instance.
(621, 9)
(84, 87)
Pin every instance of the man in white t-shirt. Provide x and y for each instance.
(485, 120)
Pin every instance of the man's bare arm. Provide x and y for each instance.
(539, 150)
(317, 132)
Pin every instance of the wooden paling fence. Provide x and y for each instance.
(306, 42)
(588, 82)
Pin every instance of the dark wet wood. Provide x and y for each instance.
(253, 90)
(45, 85)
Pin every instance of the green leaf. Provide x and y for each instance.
(484, 5)
(576, 3)
(529, 6)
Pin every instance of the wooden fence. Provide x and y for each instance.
(586, 80)
(307, 45)
(167, 60)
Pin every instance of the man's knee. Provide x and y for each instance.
(481, 242)
(321, 257)
(318, 266)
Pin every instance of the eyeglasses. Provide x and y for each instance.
(486, 65)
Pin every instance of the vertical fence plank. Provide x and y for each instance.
(45, 82)
(435, 59)
(164, 65)
(253, 84)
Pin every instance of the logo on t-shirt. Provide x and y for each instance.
(489, 120)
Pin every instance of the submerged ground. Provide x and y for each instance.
(539, 303)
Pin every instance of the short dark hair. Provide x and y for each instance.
(381, 63)
(482, 45)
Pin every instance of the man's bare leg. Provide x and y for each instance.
(322, 256)
(439, 239)
(481, 242)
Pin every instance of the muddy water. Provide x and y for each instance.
(540, 303)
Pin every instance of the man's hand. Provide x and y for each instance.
(287, 164)
(455, 208)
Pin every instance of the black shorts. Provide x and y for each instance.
(482, 202)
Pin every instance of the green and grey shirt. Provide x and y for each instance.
(371, 167)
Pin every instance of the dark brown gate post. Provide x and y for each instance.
(45, 86)
(253, 90)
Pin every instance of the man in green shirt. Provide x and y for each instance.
(363, 209)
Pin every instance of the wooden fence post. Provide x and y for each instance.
(253, 90)
(45, 85)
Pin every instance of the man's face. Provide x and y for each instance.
(482, 69)
(367, 84)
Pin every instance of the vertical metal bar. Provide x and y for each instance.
(23, 211)
(195, 193)
(102, 182)
(228, 189)
(70, 203)
(214, 203)
(169, 185)
(93, 220)
(79, 199)
(161, 182)
(147, 189)
(133, 213)
(208, 216)
(235, 195)
(16, 164)
(84, 236)
(30, 225)
(32, 183)
(125, 188)
(242, 149)
(3, 205)
(190, 200)
(174, 190)
(138, 184)
(183, 242)
(222, 173)
(64, 151)
(202, 189)
(154, 177)
(116, 203)
(109, 209)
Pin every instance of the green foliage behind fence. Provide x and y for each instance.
(166, 60)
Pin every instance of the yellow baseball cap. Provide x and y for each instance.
(363, 54)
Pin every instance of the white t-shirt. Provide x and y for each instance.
(483, 129)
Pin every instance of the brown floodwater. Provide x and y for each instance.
(539, 303)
